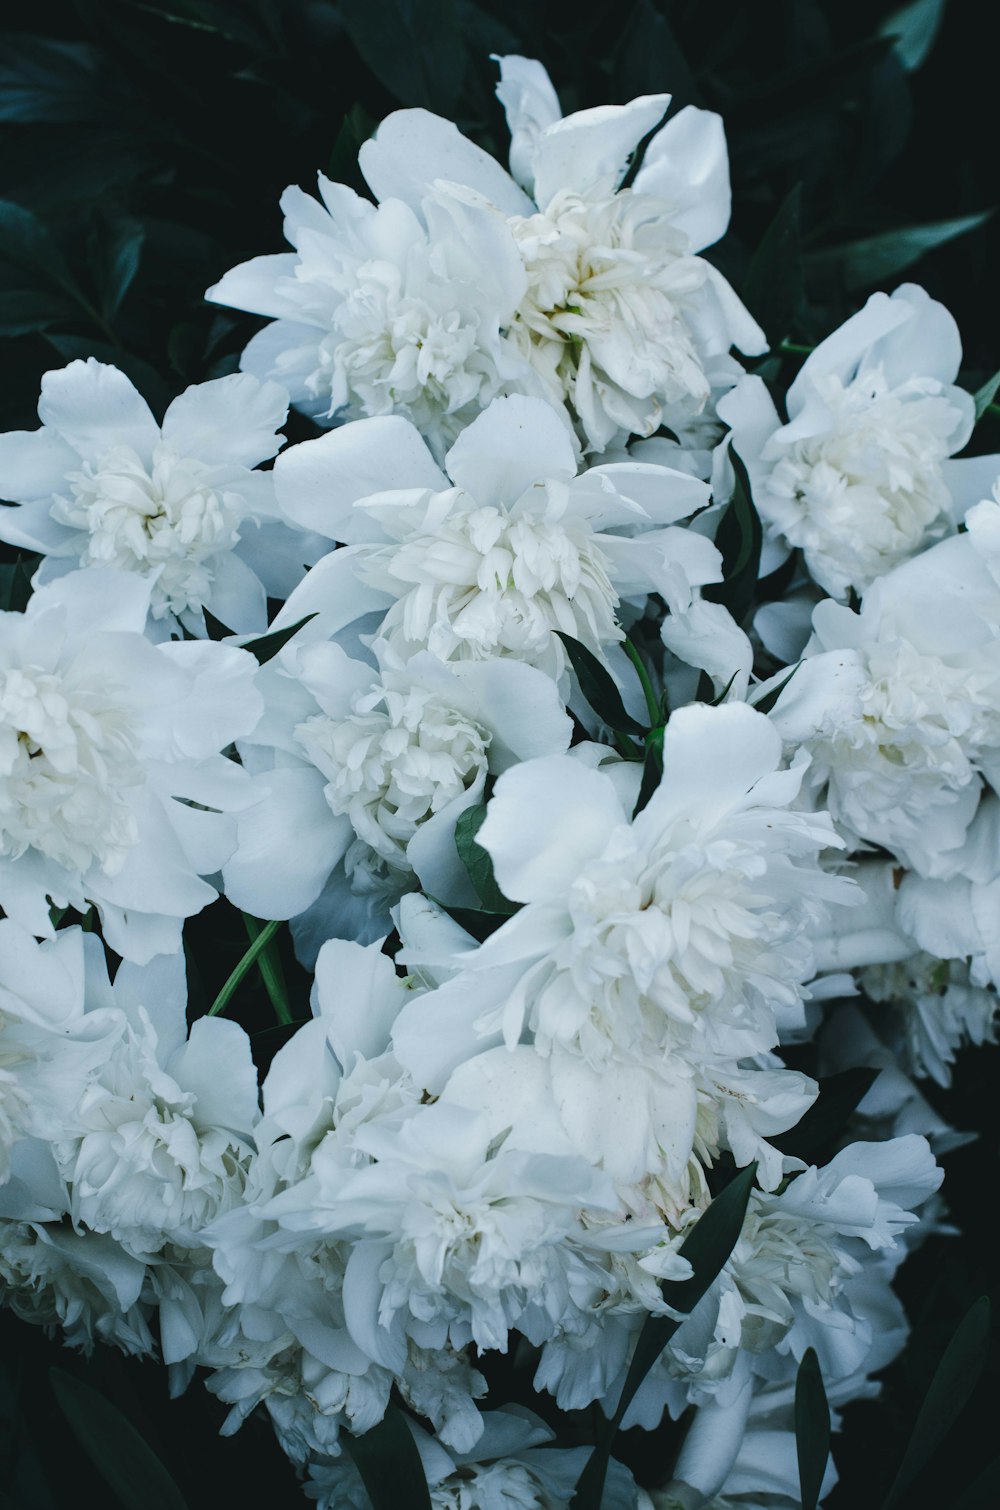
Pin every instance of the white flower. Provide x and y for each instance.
(390, 310)
(859, 478)
(937, 1008)
(515, 547)
(371, 769)
(102, 484)
(650, 959)
(898, 706)
(621, 322)
(159, 1140)
(112, 787)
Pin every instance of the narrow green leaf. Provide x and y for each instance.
(954, 1380)
(739, 538)
(413, 47)
(877, 259)
(985, 395)
(271, 973)
(773, 288)
(478, 863)
(46, 80)
(652, 768)
(247, 962)
(767, 702)
(23, 311)
(120, 253)
(838, 1099)
(984, 1490)
(268, 645)
(128, 1465)
(812, 1429)
(15, 583)
(214, 627)
(389, 1464)
(598, 687)
(706, 1247)
(25, 242)
(914, 29)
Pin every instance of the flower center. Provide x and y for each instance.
(400, 757)
(68, 757)
(485, 583)
(136, 519)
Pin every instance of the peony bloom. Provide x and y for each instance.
(112, 788)
(629, 1008)
(371, 768)
(491, 559)
(397, 309)
(859, 478)
(624, 326)
(102, 484)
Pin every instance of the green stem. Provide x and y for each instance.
(795, 349)
(257, 948)
(652, 701)
(269, 965)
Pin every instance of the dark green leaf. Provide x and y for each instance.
(706, 1247)
(389, 1464)
(23, 311)
(413, 47)
(648, 60)
(599, 689)
(954, 1380)
(121, 249)
(25, 242)
(269, 644)
(838, 1099)
(478, 863)
(879, 259)
(985, 395)
(812, 1429)
(767, 702)
(773, 289)
(126, 1463)
(15, 583)
(214, 627)
(42, 79)
(913, 29)
(984, 1490)
(739, 538)
(652, 769)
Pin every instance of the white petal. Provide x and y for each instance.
(358, 995)
(222, 704)
(332, 592)
(546, 819)
(927, 345)
(687, 164)
(591, 148)
(253, 286)
(319, 481)
(231, 419)
(286, 351)
(94, 407)
(287, 844)
(34, 463)
(412, 148)
(712, 758)
(98, 598)
(237, 597)
(520, 706)
(842, 351)
(227, 1100)
(514, 443)
(530, 103)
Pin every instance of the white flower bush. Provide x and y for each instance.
(560, 838)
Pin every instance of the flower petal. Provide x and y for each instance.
(94, 407)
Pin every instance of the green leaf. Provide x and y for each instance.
(839, 1097)
(45, 80)
(739, 538)
(914, 29)
(23, 311)
(389, 1464)
(954, 1380)
(25, 242)
(121, 249)
(648, 60)
(812, 1429)
(478, 863)
(773, 290)
(767, 702)
(984, 1490)
(127, 1464)
(244, 965)
(15, 585)
(599, 689)
(413, 47)
(267, 646)
(985, 395)
(878, 259)
(271, 973)
(652, 768)
(706, 1247)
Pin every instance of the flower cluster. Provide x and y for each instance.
(570, 841)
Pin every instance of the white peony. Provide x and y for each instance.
(632, 997)
(492, 559)
(395, 309)
(113, 790)
(102, 484)
(859, 478)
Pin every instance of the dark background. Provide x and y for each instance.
(143, 148)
